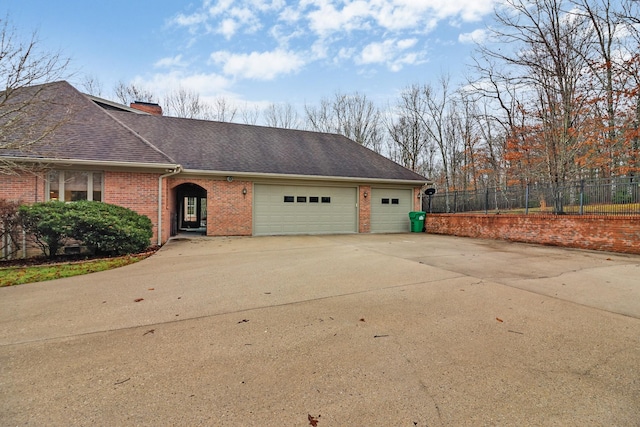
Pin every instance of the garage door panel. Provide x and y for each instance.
(390, 210)
(313, 209)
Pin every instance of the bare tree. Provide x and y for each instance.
(91, 85)
(249, 114)
(542, 47)
(184, 103)
(631, 17)
(321, 118)
(463, 117)
(129, 93)
(604, 59)
(351, 115)
(222, 110)
(281, 116)
(436, 121)
(407, 132)
(24, 121)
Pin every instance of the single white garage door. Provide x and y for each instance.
(296, 209)
(390, 210)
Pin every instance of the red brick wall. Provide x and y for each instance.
(364, 212)
(229, 211)
(136, 191)
(25, 187)
(417, 204)
(604, 233)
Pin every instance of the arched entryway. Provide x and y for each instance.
(191, 208)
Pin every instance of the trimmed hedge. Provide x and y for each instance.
(105, 229)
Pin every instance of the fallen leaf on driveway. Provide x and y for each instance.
(499, 319)
(138, 299)
(313, 421)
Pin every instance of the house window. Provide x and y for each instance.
(385, 201)
(301, 199)
(190, 206)
(395, 201)
(288, 199)
(313, 199)
(71, 186)
(326, 199)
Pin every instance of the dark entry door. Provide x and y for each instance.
(192, 207)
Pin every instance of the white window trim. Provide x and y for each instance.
(61, 182)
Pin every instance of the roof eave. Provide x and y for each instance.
(264, 175)
(98, 163)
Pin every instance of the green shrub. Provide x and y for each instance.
(110, 229)
(47, 224)
(106, 229)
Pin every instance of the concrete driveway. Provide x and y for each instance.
(357, 330)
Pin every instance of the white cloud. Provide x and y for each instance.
(170, 62)
(204, 84)
(382, 31)
(228, 28)
(259, 65)
(377, 52)
(476, 36)
(219, 7)
(190, 20)
(390, 52)
(407, 43)
(327, 19)
(289, 14)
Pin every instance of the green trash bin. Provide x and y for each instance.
(417, 221)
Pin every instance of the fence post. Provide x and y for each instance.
(581, 196)
(486, 201)
(526, 199)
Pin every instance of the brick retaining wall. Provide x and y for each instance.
(603, 233)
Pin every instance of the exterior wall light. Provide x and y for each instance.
(365, 194)
(244, 191)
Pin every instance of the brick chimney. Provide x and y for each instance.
(147, 107)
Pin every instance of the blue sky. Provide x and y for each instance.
(259, 51)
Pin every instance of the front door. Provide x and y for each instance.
(190, 213)
(191, 207)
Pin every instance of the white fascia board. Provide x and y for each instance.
(262, 175)
(98, 163)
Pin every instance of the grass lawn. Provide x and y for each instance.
(17, 275)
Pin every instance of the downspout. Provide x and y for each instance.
(175, 171)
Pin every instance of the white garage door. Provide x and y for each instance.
(294, 209)
(390, 210)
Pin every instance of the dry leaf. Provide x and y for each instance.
(138, 299)
(499, 319)
(313, 421)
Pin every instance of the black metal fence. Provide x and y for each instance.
(613, 196)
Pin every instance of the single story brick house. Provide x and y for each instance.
(221, 179)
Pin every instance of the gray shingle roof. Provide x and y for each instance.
(221, 146)
(74, 128)
(89, 132)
